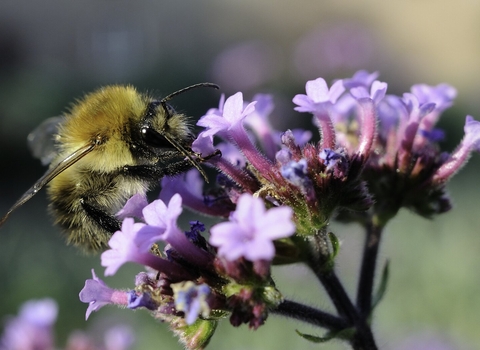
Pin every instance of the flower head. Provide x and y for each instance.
(376, 154)
(32, 328)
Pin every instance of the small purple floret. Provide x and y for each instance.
(143, 300)
(251, 230)
(97, 294)
(192, 300)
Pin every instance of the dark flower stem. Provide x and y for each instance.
(363, 336)
(310, 315)
(367, 270)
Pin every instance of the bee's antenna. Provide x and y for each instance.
(181, 91)
(187, 154)
(175, 144)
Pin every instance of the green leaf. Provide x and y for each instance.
(344, 334)
(382, 287)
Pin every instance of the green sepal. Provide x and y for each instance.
(335, 249)
(267, 293)
(197, 335)
(335, 245)
(344, 334)
(382, 287)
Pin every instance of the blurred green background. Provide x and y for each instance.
(52, 52)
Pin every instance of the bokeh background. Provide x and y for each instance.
(53, 51)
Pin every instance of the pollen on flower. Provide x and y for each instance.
(192, 300)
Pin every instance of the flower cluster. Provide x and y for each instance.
(32, 329)
(192, 283)
(276, 193)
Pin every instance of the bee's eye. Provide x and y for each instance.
(154, 139)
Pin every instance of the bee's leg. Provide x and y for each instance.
(157, 171)
(103, 219)
(215, 153)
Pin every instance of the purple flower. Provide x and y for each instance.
(333, 160)
(233, 113)
(232, 154)
(41, 313)
(294, 171)
(119, 338)
(141, 300)
(97, 294)
(434, 135)
(160, 218)
(133, 207)
(297, 174)
(417, 112)
(228, 124)
(299, 137)
(260, 125)
(162, 225)
(470, 142)
(377, 91)
(472, 134)
(416, 108)
(318, 95)
(124, 247)
(442, 95)
(192, 300)
(318, 101)
(195, 236)
(32, 328)
(360, 78)
(189, 185)
(251, 230)
(283, 156)
(132, 244)
(203, 144)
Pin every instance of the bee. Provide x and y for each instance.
(112, 144)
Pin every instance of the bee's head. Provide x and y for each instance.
(163, 127)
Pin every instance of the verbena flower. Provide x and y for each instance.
(251, 230)
(318, 95)
(97, 294)
(192, 300)
(133, 207)
(32, 329)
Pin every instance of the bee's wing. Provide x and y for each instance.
(42, 140)
(49, 175)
